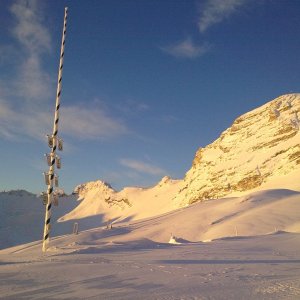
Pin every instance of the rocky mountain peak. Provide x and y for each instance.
(260, 144)
(165, 180)
(98, 186)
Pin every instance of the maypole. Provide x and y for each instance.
(54, 142)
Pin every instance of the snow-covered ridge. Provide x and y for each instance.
(131, 202)
(83, 189)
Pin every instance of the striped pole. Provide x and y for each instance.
(54, 141)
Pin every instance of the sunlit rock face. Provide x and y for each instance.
(259, 145)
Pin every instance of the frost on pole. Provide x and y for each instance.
(54, 142)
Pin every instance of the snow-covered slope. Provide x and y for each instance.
(22, 217)
(163, 257)
(259, 213)
(259, 148)
(20, 212)
(98, 198)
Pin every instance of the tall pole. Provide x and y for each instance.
(54, 142)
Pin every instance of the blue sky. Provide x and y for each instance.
(145, 83)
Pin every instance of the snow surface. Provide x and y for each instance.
(212, 255)
(22, 217)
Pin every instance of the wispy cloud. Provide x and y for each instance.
(169, 119)
(29, 29)
(77, 122)
(132, 107)
(215, 11)
(31, 81)
(16, 122)
(25, 110)
(142, 167)
(186, 49)
(90, 123)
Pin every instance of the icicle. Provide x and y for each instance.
(47, 178)
(60, 144)
(48, 159)
(51, 141)
(55, 199)
(56, 180)
(44, 198)
(58, 162)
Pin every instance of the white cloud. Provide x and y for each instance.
(132, 107)
(75, 121)
(23, 95)
(142, 167)
(29, 30)
(186, 49)
(25, 110)
(169, 119)
(17, 122)
(215, 11)
(31, 82)
(90, 123)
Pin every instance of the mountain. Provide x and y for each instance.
(99, 198)
(261, 150)
(261, 147)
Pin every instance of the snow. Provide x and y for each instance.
(138, 260)
(22, 215)
(147, 243)
(130, 203)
